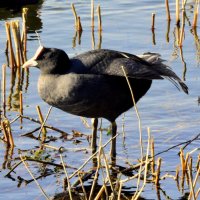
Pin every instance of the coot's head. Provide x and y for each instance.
(49, 61)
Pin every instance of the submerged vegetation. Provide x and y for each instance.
(98, 177)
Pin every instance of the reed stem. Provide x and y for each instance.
(92, 14)
(75, 15)
(99, 18)
(153, 21)
(12, 60)
(177, 12)
(4, 89)
(167, 10)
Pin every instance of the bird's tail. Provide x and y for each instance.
(164, 70)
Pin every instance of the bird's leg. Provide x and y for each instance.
(113, 143)
(94, 134)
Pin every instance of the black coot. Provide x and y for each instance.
(93, 85)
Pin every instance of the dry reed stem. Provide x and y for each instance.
(192, 192)
(27, 168)
(24, 33)
(75, 15)
(194, 183)
(105, 180)
(108, 174)
(167, 10)
(183, 163)
(82, 185)
(42, 126)
(186, 163)
(182, 29)
(44, 131)
(12, 60)
(14, 120)
(68, 182)
(153, 21)
(94, 154)
(167, 175)
(84, 121)
(177, 12)
(96, 173)
(157, 177)
(51, 147)
(135, 197)
(19, 42)
(38, 161)
(198, 162)
(99, 17)
(197, 193)
(132, 177)
(136, 109)
(139, 120)
(4, 89)
(92, 14)
(15, 30)
(46, 126)
(152, 156)
(120, 190)
(79, 26)
(196, 12)
(103, 188)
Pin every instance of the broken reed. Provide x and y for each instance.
(153, 21)
(8, 138)
(19, 57)
(77, 19)
(153, 28)
(41, 118)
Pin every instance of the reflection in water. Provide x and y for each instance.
(33, 19)
(197, 43)
(168, 30)
(77, 36)
(99, 39)
(184, 64)
(7, 157)
(153, 36)
(175, 47)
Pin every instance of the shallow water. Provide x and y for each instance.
(173, 117)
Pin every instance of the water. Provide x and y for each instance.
(172, 116)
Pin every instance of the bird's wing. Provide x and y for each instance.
(147, 66)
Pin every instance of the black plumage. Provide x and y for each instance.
(93, 85)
